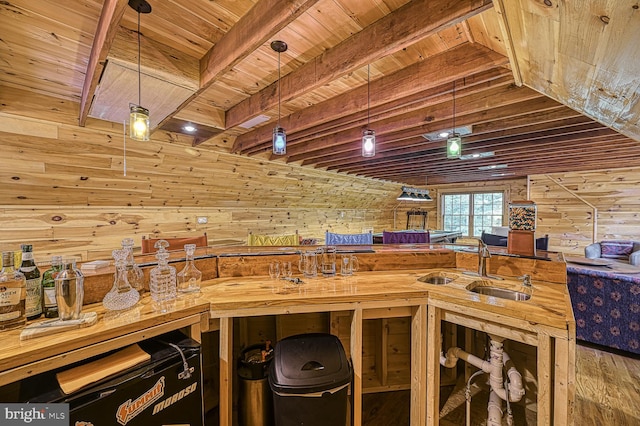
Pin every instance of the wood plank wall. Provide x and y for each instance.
(565, 207)
(64, 189)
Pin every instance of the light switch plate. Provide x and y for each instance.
(202, 220)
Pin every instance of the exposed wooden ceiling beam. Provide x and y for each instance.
(489, 99)
(446, 67)
(478, 141)
(108, 24)
(412, 22)
(265, 19)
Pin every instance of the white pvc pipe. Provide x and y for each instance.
(516, 387)
(454, 353)
(494, 410)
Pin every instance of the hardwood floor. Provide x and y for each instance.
(607, 393)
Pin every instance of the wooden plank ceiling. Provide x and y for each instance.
(546, 86)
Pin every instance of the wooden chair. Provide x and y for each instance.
(333, 239)
(176, 243)
(273, 240)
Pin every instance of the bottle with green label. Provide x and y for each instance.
(49, 304)
(34, 286)
(12, 294)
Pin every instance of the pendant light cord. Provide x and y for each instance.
(279, 90)
(453, 131)
(139, 85)
(368, 94)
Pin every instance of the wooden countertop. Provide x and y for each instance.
(112, 331)
(549, 304)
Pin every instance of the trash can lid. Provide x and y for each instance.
(309, 363)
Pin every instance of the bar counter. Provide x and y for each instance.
(545, 321)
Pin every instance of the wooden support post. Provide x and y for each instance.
(356, 361)
(564, 383)
(419, 365)
(545, 364)
(226, 371)
(434, 343)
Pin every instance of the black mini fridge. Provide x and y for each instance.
(166, 390)
(309, 377)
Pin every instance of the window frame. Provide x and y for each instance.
(470, 193)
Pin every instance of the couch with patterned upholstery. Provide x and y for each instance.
(606, 306)
(624, 250)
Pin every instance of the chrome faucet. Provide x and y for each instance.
(483, 255)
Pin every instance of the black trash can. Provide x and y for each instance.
(255, 405)
(309, 377)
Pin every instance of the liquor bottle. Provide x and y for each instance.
(34, 286)
(13, 293)
(50, 306)
(190, 277)
(162, 283)
(135, 276)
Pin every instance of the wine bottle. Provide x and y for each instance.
(34, 286)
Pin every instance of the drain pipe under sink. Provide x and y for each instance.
(497, 360)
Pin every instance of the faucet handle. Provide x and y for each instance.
(526, 280)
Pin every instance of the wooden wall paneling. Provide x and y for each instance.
(290, 325)
(569, 221)
(76, 175)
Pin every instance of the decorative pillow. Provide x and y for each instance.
(616, 249)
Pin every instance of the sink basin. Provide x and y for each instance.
(437, 278)
(485, 287)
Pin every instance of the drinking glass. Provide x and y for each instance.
(274, 270)
(286, 270)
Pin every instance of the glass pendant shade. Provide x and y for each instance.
(279, 141)
(454, 147)
(138, 123)
(368, 143)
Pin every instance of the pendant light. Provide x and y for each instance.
(454, 143)
(279, 135)
(368, 135)
(139, 115)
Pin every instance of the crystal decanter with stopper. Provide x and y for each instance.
(190, 277)
(134, 273)
(162, 283)
(122, 295)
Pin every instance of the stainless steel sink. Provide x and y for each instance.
(485, 287)
(437, 278)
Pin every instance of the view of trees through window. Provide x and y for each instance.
(471, 213)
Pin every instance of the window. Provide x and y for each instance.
(472, 213)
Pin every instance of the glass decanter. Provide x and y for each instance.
(122, 295)
(134, 273)
(162, 283)
(190, 277)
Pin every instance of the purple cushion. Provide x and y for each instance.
(405, 237)
(616, 249)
